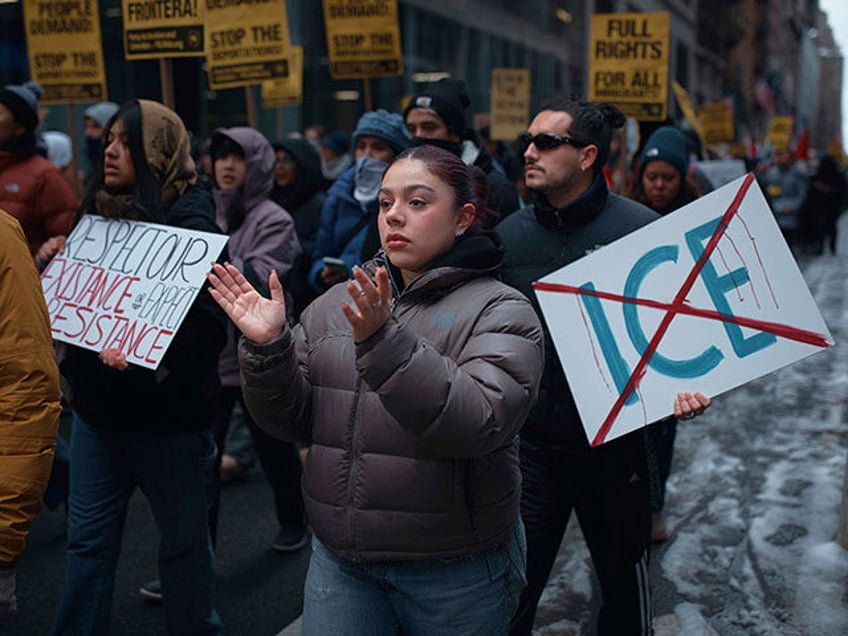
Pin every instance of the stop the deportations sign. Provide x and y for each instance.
(126, 285)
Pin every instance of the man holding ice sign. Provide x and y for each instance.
(607, 486)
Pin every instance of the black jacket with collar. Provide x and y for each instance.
(539, 240)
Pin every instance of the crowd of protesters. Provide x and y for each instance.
(373, 317)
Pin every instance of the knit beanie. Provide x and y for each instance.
(337, 141)
(448, 98)
(22, 100)
(384, 125)
(101, 112)
(666, 144)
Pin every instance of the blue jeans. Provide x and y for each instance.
(173, 471)
(474, 594)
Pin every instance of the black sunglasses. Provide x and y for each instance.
(547, 141)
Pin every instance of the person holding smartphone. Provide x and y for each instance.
(348, 231)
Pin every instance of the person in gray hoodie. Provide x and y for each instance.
(262, 240)
(411, 382)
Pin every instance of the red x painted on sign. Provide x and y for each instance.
(678, 306)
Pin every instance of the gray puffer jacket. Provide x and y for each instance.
(414, 431)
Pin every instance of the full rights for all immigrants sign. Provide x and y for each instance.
(628, 62)
(126, 285)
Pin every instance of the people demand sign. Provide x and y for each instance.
(126, 285)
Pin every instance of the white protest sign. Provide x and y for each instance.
(722, 171)
(126, 285)
(704, 299)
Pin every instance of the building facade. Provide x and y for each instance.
(766, 56)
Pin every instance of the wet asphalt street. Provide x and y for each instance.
(259, 590)
(752, 509)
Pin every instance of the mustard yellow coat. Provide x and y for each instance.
(29, 392)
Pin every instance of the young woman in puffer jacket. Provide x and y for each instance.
(410, 382)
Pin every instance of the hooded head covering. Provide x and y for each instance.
(308, 179)
(59, 150)
(666, 144)
(22, 100)
(101, 112)
(448, 98)
(384, 125)
(259, 177)
(167, 148)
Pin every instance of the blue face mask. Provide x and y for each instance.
(367, 179)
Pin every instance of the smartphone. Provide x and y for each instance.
(335, 263)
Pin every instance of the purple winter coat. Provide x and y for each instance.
(414, 432)
(266, 239)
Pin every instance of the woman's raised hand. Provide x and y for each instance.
(371, 304)
(258, 318)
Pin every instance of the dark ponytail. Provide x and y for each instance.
(591, 123)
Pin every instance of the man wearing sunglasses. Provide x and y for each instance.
(572, 213)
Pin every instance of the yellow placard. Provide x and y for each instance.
(717, 122)
(65, 50)
(682, 97)
(247, 42)
(780, 132)
(628, 62)
(287, 91)
(163, 28)
(510, 102)
(363, 38)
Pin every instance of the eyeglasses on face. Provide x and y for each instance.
(548, 141)
(284, 160)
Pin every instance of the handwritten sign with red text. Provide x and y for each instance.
(126, 285)
(704, 299)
